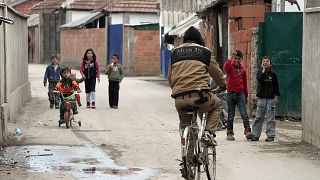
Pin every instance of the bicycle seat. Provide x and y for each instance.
(190, 109)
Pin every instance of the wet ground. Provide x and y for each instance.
(86, 161)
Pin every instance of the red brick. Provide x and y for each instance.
(247, 23)
(245, 35)
(257, 20)
(249, 48)
(243, 47)
(259, 11)
(234, 27)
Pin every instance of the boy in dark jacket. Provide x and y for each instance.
(52, 75)
(268, 97)
(237, 93)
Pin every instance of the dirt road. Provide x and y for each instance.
(139, 140)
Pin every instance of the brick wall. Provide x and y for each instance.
(141, 52)
(25, 6)
(74, 42)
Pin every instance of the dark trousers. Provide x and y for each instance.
(90, 85)
(113, 93)
(54, 98)
(233, 100)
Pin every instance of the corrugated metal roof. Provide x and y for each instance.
(47, 6)
(80, 22)
(138, 6)
(181, 27)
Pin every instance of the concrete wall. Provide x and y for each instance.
(75, 15)
(133, 18)
(311, 77)
(74, 42)
(14, 83)
(139, 58)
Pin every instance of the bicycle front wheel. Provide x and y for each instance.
(190, 160)
(211, 162)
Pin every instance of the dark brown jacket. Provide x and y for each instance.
(190, 75)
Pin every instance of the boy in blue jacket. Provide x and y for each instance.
(52, 75)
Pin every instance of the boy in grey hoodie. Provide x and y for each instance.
(115, 75)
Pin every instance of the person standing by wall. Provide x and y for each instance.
(115, 75)
(268, 97)
(237, 93)
(52, 75)
(90, 70)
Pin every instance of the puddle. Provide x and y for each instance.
(81, 161)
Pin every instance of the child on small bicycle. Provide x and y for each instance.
(67, 87)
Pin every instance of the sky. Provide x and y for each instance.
(293, 8)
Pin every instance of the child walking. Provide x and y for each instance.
(52, 75)
(90, 70)
(115, 75)
(237, 93)
(268, 97)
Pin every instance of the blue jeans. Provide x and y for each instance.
(265, 110)
(233, 100)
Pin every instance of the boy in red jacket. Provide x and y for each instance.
(237, 93)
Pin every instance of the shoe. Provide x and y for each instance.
(230, 135)
(51, 106)
(75, 112)
(88, 105)
(57, 106)
(93, 105)
(61, 121)
(254, 139)
(269, 139)
(79, 104)
(248, 133)
(115, 107)
(208, 139)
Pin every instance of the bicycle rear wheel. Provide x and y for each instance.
(211, 162)
(190, 160)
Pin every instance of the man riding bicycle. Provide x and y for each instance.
(191, 66)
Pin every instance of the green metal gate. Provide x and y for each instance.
(280, 38)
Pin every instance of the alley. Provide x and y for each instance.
(140, 140)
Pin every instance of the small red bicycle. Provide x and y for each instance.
(69, 103)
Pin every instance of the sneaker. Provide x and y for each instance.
(51, 106)
(93, 105)
(248, 133)
(269, 139)
(88, 105)
(254, 139)
(230, 135)
(208, 139)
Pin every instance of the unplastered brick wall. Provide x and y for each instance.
(74, 42)
(142, 52)
(243, 16)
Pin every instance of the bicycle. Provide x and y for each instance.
(69, 103)
(196, 156)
